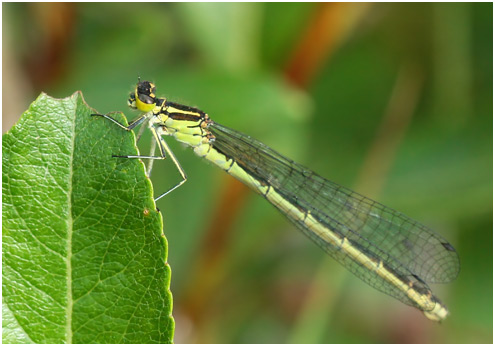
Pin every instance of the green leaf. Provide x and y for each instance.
(84, 256)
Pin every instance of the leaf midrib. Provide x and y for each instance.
(70, 225)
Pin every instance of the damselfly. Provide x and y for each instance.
(386, 249)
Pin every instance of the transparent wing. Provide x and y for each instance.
(413, 251)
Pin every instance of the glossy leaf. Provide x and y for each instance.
(84, 256)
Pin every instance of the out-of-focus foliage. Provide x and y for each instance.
(392, 100)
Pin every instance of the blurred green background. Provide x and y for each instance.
(392, 100)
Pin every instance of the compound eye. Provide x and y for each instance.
(146, 99)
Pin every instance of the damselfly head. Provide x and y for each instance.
(143, 97)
